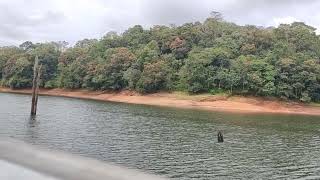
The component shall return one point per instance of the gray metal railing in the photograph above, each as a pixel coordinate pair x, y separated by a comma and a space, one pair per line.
63, 166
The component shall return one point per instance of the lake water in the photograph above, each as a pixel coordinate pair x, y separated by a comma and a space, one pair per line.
178, 144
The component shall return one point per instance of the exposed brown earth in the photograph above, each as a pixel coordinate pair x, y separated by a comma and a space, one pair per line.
207, 102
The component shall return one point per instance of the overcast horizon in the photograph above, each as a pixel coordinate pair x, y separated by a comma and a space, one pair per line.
65, 20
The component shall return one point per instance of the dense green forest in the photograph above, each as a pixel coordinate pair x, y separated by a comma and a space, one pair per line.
212, 56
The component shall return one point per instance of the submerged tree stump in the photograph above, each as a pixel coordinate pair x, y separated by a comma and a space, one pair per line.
35, 86
220, 137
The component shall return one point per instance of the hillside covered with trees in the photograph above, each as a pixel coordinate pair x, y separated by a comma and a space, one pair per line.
211, 56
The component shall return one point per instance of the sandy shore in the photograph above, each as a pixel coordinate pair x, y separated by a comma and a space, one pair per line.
212, 103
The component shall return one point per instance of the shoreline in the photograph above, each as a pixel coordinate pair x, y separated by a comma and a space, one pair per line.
210, 102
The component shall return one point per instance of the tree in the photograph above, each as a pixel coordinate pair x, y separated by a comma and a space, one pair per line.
261, 78
17, 72
136, 37
232, 80
48, 57
194, 74
85, 43
155, 76
28, 45
132, 76
216, 15
109, 71
149, 53
179, 48
7, 53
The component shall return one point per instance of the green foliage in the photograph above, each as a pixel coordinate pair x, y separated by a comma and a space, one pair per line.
155, 76
214, 56
216, 91
108, 72
17, 72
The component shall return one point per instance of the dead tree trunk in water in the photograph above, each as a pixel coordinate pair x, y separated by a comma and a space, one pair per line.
35, 86
220, 137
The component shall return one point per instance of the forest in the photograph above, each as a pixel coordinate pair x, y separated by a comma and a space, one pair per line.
213, 56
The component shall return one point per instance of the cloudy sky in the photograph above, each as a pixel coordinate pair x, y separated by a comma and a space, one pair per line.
72, 20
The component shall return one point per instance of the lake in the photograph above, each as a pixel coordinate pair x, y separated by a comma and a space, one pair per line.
175, 143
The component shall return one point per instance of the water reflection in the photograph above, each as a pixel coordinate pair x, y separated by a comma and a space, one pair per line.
31, 129
32, 121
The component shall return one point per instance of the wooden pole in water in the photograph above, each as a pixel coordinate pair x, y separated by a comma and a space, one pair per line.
35, 86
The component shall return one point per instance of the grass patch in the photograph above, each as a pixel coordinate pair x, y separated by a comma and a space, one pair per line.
197, 97
315, 104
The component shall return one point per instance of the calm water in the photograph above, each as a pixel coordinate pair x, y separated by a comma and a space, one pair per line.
179, 144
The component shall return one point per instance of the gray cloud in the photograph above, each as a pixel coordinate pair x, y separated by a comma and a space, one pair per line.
179, 11
17, 24
263, 12
70, 20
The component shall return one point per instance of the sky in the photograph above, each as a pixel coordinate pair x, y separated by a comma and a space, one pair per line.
73, 20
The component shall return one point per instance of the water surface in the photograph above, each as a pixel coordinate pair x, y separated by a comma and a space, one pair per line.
179, 144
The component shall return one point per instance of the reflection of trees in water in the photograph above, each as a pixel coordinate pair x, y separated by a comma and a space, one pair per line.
32, 131
32, 122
